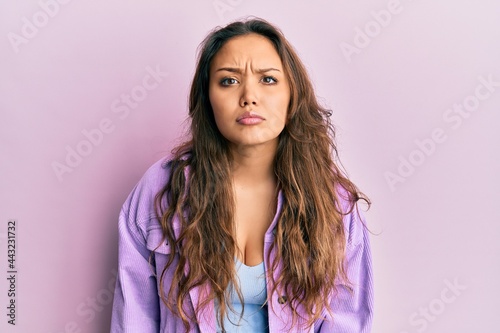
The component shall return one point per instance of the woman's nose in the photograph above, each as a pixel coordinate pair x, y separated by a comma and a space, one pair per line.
248, 95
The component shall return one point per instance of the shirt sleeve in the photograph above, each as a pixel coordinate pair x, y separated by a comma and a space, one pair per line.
136, 302
353, 309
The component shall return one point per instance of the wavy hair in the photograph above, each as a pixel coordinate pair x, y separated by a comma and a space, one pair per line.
309, 237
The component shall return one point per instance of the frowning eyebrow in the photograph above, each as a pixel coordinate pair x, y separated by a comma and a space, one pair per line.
239, 71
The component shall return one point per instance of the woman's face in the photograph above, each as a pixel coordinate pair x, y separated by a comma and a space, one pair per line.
249, 92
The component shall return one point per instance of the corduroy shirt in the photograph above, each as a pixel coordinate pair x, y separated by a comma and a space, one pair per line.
137, 307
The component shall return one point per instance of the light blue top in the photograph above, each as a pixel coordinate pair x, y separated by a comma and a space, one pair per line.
252, 281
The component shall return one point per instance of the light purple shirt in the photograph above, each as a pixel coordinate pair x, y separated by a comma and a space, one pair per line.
137, 307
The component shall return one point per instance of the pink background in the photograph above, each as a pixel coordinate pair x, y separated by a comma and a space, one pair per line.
436, 226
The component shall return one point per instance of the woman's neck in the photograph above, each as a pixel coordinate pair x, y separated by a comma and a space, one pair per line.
253, 165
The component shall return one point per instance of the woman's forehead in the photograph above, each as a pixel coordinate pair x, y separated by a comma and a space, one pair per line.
241, 51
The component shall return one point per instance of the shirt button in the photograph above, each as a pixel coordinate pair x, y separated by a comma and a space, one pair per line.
282, 299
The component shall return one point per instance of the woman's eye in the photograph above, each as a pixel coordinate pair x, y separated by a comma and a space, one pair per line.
228, 81
269, 80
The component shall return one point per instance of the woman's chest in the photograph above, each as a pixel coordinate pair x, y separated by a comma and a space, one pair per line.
254, 212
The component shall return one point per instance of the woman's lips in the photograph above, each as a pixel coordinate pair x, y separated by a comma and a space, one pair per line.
249, 118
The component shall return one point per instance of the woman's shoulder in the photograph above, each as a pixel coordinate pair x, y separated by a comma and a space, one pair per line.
353, 217
157, 175
140, 206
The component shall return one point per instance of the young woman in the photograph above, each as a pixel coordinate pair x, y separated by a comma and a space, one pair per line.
250, 225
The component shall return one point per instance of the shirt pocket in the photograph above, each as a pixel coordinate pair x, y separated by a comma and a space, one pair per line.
161, 252
156, 243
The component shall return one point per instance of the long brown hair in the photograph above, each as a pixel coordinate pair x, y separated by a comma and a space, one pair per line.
309, 236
